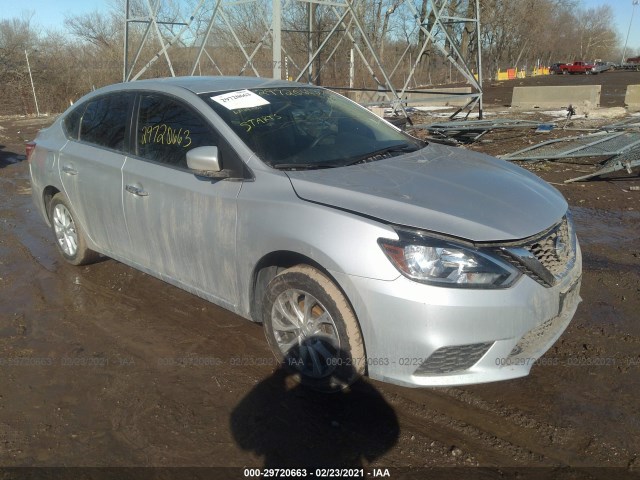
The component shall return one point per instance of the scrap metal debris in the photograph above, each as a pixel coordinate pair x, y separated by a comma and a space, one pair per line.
570, 113
621, 147
626, 161
629, 123
468, 131
593, 145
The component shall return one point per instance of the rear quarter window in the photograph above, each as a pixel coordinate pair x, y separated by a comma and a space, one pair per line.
104, 121
71, 123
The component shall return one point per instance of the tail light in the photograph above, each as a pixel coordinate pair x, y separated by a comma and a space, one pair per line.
29, 148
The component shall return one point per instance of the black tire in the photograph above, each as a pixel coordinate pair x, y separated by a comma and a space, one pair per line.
330, 355
565, 72
63, 217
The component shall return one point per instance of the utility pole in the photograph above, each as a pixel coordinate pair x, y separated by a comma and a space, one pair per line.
624, 51
33, 88
125, 70
276, 29
479, 40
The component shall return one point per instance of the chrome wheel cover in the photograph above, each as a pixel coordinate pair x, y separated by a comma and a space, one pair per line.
306, 333
65, 230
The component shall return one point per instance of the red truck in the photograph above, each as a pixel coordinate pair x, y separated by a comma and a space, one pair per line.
577, 67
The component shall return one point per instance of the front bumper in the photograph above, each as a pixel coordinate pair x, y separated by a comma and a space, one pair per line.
421, 335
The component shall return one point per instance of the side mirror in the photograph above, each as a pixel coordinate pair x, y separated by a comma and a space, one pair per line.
204, 160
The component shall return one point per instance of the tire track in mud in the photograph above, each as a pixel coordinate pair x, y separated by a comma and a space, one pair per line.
480, 434
496, 435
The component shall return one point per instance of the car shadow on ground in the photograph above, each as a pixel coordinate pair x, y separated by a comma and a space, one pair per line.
292, 426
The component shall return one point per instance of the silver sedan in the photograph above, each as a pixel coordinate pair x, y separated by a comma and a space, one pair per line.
361, 249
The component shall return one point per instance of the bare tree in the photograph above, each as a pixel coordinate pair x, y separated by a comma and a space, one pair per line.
597, 36
514, 32
17, 37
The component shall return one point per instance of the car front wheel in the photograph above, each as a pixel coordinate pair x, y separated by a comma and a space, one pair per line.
312, 329
70, 238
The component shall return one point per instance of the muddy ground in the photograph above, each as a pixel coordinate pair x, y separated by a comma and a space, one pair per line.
103, 366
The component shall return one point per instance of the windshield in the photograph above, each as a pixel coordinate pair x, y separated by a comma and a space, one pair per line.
307, 127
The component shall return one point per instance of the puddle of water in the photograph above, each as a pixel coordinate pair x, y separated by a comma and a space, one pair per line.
31, 230
37, 238
614, 228
41, 248
13, 160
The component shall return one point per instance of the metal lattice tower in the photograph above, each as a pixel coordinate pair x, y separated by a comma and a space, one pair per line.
185, 38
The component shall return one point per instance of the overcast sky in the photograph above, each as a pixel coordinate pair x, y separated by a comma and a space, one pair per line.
51, 13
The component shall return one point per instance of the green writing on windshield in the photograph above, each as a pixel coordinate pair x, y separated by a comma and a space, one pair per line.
263, 120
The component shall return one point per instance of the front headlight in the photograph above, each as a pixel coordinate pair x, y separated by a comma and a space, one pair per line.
446, 263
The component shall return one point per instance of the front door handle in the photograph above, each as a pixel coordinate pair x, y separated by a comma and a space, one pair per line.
69, 170
138, 191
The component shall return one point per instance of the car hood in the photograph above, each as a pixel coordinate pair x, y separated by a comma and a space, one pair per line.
441, 189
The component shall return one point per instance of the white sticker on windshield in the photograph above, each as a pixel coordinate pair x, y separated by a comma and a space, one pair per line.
240, 99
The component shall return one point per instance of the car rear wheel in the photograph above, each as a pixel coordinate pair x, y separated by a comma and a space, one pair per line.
312, 329
70, 238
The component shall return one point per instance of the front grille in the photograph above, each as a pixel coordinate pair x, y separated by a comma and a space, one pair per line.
546, 258
453, 359
554, 251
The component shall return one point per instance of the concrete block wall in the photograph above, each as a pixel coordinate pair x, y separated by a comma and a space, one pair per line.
632, 98
556, 97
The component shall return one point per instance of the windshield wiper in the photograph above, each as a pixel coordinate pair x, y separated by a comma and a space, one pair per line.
367, 157
305, 166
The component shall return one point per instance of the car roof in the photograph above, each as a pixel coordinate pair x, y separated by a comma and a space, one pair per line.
205, 84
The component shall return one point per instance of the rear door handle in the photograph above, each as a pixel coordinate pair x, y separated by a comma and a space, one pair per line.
136, 190
69, 170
